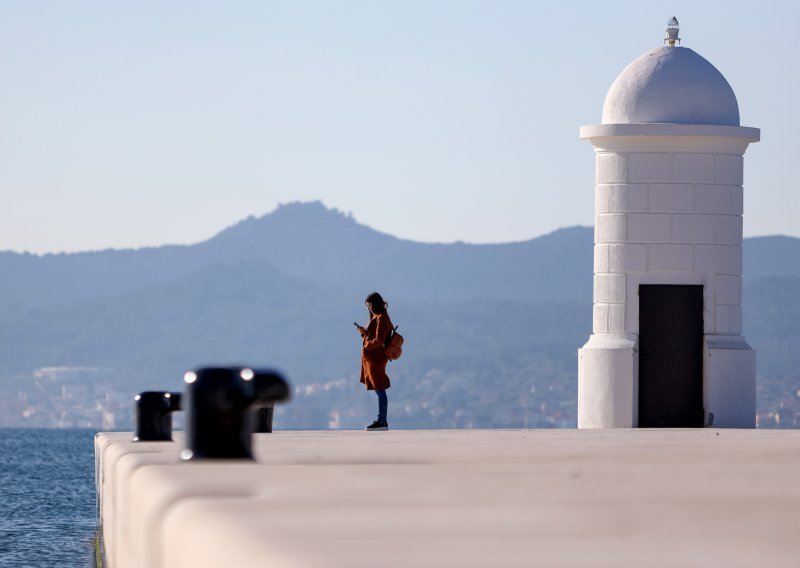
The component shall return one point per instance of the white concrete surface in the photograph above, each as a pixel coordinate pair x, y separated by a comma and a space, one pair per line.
460, 498
608, 381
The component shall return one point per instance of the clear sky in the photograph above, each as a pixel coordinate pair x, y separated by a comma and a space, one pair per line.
129, 124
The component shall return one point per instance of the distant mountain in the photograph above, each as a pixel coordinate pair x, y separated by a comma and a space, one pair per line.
771, 256
491, 330
311, 242
323, 246
245, 312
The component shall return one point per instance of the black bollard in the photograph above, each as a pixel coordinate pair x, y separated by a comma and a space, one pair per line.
221, 404
154, 415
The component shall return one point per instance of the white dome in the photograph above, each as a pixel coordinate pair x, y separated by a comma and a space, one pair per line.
671, 85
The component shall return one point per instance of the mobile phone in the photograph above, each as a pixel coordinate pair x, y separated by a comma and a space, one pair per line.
355, 324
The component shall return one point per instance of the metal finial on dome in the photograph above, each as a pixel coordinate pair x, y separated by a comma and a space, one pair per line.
672, 32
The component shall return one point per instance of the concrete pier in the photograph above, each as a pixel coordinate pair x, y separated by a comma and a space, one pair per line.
555, 498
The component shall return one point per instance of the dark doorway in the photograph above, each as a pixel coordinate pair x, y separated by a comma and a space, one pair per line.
670, 356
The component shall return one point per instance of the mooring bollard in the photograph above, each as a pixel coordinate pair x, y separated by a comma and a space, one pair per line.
154, 415
221, 405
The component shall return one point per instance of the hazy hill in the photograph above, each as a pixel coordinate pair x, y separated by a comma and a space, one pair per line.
771, 256
492, 330
326, 248
331, 249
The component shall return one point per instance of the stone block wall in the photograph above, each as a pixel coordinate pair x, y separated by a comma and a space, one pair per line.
667, 217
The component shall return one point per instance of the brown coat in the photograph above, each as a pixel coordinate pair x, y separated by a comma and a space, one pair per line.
373, 356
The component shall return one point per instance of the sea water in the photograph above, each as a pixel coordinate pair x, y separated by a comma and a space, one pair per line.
47, 498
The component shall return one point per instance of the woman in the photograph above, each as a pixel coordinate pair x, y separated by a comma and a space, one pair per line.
373, 356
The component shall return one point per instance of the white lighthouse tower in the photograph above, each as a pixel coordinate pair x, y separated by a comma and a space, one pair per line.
666, 348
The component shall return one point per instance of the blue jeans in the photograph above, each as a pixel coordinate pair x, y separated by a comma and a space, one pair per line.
383, 404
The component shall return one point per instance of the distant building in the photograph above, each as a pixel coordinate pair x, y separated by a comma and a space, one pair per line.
68, 397
68, 383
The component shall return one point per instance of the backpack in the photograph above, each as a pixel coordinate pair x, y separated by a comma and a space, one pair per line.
394, 344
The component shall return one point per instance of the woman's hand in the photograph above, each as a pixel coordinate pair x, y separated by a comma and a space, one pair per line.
361, 330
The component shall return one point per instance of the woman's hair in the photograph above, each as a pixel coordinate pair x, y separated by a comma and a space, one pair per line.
378, 304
